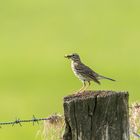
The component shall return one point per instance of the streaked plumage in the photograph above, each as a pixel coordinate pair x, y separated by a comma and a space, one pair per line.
83, 72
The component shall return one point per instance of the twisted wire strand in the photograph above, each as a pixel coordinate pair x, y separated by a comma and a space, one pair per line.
52, 118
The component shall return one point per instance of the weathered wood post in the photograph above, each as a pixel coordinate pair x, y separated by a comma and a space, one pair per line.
96, 115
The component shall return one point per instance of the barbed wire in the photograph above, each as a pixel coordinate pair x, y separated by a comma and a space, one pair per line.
135, 134
53, 119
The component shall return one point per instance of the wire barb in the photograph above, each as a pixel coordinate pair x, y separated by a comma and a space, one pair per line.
17, 121
35, 120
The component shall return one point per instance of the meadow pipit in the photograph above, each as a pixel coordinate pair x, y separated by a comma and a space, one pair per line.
83, 72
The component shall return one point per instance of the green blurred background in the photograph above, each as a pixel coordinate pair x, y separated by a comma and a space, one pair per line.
34, 37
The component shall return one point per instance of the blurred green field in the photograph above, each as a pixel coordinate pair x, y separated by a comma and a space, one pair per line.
35, 35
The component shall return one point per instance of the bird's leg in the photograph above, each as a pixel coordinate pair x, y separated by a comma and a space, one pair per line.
84, 85
87, 85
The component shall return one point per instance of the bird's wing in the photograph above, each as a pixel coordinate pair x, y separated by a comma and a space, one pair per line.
86, 71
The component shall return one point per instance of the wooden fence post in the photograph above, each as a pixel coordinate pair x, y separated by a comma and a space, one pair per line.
96, 115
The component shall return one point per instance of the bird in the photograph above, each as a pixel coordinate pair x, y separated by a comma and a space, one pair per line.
83, 72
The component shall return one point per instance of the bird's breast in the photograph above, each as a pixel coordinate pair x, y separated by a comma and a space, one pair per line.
77, 72
73, 66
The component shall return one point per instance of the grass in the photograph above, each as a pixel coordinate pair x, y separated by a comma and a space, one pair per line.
52, 129
35, 36
135, 121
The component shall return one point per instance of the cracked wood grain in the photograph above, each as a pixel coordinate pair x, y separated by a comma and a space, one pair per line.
96, 115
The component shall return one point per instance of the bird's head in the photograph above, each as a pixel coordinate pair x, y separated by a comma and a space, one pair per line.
74, 57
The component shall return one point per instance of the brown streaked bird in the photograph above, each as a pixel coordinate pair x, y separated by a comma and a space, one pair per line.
83, 72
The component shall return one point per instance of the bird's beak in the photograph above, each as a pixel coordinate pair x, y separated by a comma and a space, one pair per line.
67, 56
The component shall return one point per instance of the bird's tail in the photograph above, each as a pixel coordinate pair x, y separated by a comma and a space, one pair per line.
103, 77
